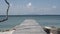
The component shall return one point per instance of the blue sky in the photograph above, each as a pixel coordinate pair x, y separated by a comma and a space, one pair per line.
31, 7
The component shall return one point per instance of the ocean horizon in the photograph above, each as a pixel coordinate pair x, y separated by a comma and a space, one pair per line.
43, 20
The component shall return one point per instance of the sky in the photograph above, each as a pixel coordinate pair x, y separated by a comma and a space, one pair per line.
31, 7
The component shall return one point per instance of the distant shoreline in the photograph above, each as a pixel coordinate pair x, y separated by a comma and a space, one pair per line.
27, 15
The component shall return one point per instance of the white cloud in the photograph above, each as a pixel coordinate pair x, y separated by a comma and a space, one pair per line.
53, 6
42, 9
30, 9
10, 4
29, 5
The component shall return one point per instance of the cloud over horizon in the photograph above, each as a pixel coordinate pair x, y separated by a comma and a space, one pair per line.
31, 8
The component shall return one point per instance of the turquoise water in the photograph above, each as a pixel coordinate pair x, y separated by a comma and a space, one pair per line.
47, 20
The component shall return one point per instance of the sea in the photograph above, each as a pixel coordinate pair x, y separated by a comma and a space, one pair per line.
43, 20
